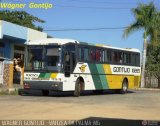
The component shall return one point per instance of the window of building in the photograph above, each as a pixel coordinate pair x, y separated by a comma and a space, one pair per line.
2, 49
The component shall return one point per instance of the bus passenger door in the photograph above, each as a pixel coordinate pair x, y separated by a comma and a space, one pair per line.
69, 63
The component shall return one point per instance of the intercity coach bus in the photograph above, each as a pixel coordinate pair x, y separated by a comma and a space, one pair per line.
68, 65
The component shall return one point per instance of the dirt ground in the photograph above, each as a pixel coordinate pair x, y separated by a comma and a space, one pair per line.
135, 105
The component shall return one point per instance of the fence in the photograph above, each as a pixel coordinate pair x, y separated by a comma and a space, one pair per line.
150, 80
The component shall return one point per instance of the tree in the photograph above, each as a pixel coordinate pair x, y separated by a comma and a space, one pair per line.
146, 18
21, 18
153, 62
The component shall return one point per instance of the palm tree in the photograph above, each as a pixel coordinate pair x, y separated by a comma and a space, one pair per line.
146, 18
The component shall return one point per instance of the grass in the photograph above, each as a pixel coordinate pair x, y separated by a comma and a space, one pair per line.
8, 93
4, 93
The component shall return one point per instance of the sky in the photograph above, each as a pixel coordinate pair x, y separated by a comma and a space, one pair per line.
90, 14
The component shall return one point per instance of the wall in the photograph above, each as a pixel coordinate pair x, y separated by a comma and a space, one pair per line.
34, 35
8, 74
1, 72
18, 33
13, 30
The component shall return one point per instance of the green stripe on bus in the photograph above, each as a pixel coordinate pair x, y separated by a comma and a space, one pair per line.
44, 75
102, 77
95, 76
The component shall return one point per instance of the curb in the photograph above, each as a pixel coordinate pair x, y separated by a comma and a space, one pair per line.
148, 89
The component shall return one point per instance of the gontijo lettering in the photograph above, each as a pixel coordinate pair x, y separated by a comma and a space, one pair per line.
121, 69
126, 70
39, 6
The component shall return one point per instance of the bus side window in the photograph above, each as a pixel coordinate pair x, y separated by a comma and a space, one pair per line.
92, 54
103, 56
133, 59
83, 54
106, 55
115, 58
86, 54
80, 54
138, 59
126, 58
98, 55
112, 56
119, 57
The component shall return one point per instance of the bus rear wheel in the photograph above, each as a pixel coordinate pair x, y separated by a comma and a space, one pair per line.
124, 87
78, 88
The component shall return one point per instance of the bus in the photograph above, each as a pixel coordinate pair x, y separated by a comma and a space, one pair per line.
55, 64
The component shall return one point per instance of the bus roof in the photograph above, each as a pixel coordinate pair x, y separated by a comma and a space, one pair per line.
59, 41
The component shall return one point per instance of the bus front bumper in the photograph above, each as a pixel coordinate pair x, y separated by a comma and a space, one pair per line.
43, 85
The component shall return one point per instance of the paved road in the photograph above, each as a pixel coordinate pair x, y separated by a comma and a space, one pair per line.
137, 105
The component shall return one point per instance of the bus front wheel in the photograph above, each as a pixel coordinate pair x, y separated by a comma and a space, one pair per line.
78, 88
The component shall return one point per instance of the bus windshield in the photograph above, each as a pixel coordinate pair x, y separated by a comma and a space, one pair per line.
43, 58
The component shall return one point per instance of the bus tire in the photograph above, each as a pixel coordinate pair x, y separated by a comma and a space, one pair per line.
77, 90
124, 87
20, 92
45, 92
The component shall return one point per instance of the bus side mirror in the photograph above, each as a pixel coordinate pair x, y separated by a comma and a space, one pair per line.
67, 57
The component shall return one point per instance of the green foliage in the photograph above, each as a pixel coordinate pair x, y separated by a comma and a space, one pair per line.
147, 17
21, 18
2, 93
153, 60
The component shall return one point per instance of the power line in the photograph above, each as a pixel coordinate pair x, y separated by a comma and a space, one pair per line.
102, 2
88, 7
86, 29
